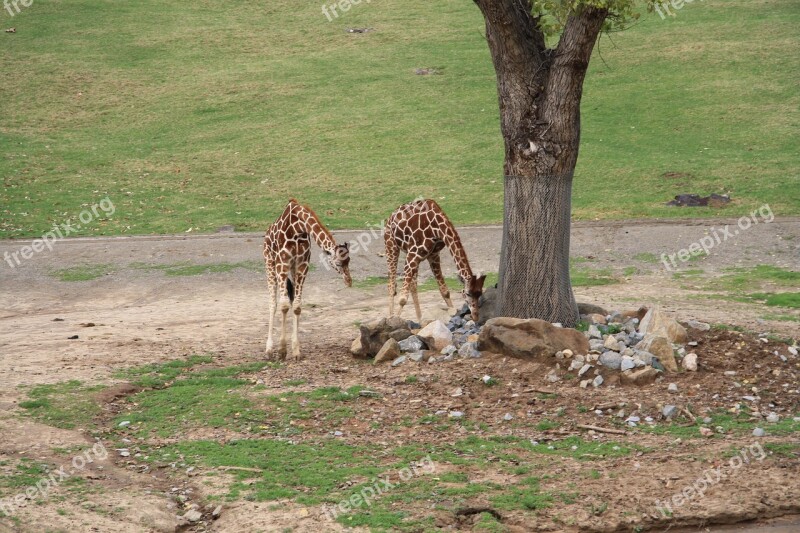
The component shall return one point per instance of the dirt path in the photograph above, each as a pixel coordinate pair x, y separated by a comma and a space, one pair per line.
140, 316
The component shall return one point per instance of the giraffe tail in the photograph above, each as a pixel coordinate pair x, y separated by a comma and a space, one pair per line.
290, 289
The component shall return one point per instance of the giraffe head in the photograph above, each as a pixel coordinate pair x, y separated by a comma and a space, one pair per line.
473, 289
339, 259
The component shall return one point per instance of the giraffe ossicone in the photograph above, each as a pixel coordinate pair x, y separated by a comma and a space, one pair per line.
422, 230
287, 254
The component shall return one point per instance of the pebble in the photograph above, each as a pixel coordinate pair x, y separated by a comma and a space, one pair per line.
792, 350
411, 344
749, 398
669, 411
611, 360
337, 433
627, 363
217, 511
759, 432
508, 416
458, 392
585, 383
399, 361
773, 418
597, 381
193, 516
575, 364
416, 357
449, 350
691, 343
594, 332
124, 423
611, 343
124, 453
553, 377
730, 372
598, 412
707, 420
632, 420
486, 379
455, 414
672, 387
690, 362
584, 369
706, 432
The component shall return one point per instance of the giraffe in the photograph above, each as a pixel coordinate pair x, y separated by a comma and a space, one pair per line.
422, 230
287, 251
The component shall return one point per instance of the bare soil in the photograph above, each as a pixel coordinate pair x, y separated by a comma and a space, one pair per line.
143, 316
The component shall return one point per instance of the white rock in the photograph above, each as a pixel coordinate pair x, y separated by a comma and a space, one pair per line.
792, 350
759, 432
597, 381
436, 335
627, 363
611, 343
508, 416
585, 383
773, 418
584, 369
690, 362
672, 387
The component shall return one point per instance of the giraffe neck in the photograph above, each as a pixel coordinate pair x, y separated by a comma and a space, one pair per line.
316, 229
453, 242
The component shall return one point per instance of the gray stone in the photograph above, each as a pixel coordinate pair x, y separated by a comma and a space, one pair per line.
759, 432
553, 376
585, 383
416, 356
596, 345
626, 363
374, 334
449, 350
455, 414
399, 361
412, 344
575, 365
508, 416
657, 322
644, 356
672, 387
669, 411
700, 326
594, 332
792, 350
611, 343
469, 349
611, 360
661, 347
773, 418
597, 381
193, 516
584, 369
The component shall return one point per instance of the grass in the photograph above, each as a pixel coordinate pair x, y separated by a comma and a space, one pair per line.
188, 269
82, 272
64, 405
157, 375
740, 424
204, 119
738, 284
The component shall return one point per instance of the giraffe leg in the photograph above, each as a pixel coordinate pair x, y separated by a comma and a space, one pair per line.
284, 303
436, 267
392, 255
272, 287
299, 278
410, 281
415, 296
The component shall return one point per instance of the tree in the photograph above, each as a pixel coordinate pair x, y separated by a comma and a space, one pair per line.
539, 89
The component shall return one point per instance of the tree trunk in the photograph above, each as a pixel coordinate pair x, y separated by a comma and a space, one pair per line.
539, 91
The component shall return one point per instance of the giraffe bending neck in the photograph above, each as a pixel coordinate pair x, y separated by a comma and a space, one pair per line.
316, 229
453, 242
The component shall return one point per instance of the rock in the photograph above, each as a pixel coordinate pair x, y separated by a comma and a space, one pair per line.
672, 387
193, 516
759, 432
585, 383
655, 363
700, 326
356, 348
669, 411
584, 369
508, 416
436, 335
706, 432
455, 414
469, 349
655, 321
611, 343
594, 332
399, 361
388, 352
792, 350
591, 309
125, 423
553, 376
458, 392
597, 318
596, 345
597, 381
576, 364
529, 338
632, 420
366, 393
416, 356
486, 379
640, 376
611, 360
487, 305
773, 418
216, 512
627, 363
374, 334
660, 347
449, 350
690, 362
412, 344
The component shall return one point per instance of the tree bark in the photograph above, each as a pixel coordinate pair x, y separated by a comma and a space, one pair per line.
539, 91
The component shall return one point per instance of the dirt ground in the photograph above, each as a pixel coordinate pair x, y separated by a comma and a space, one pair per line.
142, 316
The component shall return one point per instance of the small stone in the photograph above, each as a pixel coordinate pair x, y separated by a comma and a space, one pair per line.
455, 414
691, 343
594, 332
508, 416
669, 411
456, 393
672, 387
730, 372
567, 353
469, 349
585, 383
337, 433
449, 350
690, 362
632, 421
749, 398
584, 369
553, 376
486, 379
706, 432
759, 432
575, 365
557, 324
125, 423
627, 363
416, 356
193, 516
611, 360
596, 345
124, 453
411, 344
597, 381
773, 418
388, 352
611, 343
399, 361
700, 326
217, 511
792, 350
368, 393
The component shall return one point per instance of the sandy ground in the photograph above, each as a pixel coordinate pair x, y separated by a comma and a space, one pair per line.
143, 316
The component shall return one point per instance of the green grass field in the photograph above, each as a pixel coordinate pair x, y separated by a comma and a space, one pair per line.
201, 114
